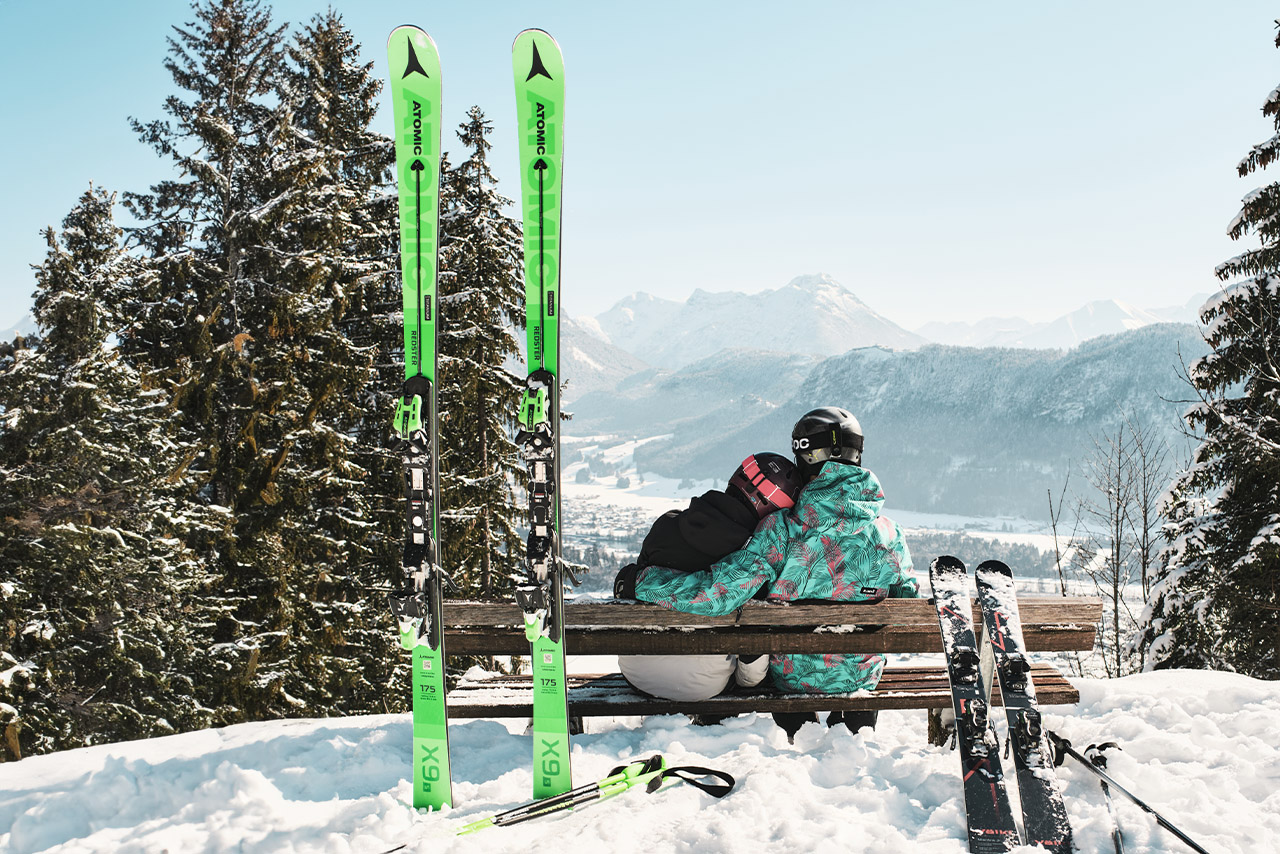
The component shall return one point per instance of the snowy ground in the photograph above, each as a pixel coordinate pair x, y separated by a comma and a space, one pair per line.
1200, 747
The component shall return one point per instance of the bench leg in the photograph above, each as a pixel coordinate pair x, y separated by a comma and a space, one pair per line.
577, 725
939, 732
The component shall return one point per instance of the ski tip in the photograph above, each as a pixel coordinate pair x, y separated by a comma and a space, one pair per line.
531, 32
413, 31
945, 563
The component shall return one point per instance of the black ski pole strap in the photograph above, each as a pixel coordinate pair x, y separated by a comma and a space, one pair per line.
693, 774
653, 763
1059, 745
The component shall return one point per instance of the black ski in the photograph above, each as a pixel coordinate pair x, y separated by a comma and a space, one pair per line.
1044, 816
986, 801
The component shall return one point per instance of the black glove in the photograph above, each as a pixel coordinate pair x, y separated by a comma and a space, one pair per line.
624, 586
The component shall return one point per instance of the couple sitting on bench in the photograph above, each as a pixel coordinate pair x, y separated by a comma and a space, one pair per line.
783, 533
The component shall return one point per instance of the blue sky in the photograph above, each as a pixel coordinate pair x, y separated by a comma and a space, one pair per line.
943, 160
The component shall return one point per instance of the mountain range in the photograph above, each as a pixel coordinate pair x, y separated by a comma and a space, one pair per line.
1101, 317
813, 315
972, 430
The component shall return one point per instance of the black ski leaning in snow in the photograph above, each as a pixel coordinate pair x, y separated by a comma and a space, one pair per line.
1044, 816
986, 801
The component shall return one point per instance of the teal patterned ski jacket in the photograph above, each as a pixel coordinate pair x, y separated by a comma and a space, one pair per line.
832, 545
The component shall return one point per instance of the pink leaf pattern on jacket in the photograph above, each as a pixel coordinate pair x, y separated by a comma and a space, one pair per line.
803, 554
834, 556
783, 590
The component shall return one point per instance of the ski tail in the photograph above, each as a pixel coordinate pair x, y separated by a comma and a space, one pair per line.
416, 93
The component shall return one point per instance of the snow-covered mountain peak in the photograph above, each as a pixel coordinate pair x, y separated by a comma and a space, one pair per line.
1119, 310
812, 314
815, 282
26, 326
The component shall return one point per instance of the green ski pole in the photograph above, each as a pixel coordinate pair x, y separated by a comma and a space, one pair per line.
649, 773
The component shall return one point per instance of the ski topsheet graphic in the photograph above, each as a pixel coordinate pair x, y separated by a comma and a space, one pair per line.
539, 79
415, 94
986, 801
1044, 816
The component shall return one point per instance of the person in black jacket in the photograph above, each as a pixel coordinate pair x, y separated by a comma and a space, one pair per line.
691, 540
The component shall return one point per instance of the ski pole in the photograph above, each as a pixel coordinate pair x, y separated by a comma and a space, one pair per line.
648, 772
1063, 747
1096, 755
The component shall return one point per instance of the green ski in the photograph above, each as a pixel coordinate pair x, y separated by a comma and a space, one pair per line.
415, 93
539, 79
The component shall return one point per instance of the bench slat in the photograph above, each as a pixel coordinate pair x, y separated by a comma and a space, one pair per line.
508, 641
611, 627
1036, 611
501, 696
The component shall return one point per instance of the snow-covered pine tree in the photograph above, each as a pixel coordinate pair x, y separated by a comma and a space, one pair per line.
1216, 594
481, 302
332, 242
97, 591
229, 335
336, 99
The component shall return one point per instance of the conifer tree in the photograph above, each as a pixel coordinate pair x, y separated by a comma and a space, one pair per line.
96, 609
215, 335
482, 301
331, 245
336, 101
1216, 594
268, 242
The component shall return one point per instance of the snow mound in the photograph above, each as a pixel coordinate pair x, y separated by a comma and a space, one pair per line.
1199, 747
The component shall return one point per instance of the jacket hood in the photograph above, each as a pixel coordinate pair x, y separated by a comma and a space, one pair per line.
839, 493
717, 523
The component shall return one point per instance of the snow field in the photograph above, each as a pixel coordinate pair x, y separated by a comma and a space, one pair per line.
1199, 747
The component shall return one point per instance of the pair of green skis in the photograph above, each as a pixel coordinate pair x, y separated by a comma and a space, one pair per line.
415, 90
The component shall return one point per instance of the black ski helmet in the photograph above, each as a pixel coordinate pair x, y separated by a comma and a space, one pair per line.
767, 482
826, 433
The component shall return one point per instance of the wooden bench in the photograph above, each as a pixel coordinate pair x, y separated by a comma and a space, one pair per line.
611, 627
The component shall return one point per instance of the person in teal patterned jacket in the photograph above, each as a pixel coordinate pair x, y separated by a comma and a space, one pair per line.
833, 545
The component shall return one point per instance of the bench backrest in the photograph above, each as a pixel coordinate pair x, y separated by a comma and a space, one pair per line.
610, 627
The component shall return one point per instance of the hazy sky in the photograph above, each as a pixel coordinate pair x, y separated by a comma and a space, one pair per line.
943, 160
